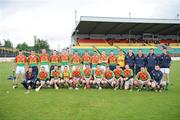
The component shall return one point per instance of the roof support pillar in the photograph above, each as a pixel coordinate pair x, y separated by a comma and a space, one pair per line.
129, 36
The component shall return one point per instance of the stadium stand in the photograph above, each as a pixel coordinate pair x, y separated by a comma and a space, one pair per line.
7, 52
82, 49
87, 42
106, 33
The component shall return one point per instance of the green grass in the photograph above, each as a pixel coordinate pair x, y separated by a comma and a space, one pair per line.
64, 104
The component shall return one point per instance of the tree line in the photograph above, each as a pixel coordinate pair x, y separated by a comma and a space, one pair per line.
38, 45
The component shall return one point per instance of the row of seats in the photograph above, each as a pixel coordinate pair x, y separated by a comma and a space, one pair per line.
145, 49
86, 42
102, 42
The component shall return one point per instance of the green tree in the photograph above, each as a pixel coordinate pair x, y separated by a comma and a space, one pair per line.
41, 44
8, 43
23, 46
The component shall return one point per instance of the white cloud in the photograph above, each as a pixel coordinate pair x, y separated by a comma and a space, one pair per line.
54, 20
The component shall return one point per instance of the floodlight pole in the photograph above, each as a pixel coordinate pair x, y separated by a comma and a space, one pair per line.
75, 18
177, 37
129, 14
129, 36
177, 16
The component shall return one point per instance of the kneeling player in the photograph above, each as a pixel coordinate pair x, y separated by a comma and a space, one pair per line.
87, 75
157, 82
127, 81
98, 76
76, 77
55, 77
65, 77
30, 80
117, 76
142, 78
42, 78
109, 77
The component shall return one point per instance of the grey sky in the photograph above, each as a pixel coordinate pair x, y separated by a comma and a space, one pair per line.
20, 20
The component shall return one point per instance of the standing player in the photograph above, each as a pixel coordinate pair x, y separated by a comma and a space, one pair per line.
121, 59
44, 60
54, 60
33, 62
109, 77
76, 77
76, 60
127, 80
87, 76
42, 78
103, 60
118, 72
151, 61
20, 61
64, 58
140, 61
55, 77
86, 59
130, 59
112, 61
94, 61
98, 76
142, 78
157, 82
165, 62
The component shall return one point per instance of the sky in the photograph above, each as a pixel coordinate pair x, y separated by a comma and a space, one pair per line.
54, 20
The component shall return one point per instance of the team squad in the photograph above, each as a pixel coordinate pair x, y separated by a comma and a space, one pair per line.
124, 71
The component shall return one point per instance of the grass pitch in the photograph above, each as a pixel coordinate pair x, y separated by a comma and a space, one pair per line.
64, 104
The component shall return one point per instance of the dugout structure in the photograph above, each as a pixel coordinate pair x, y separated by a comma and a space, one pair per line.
110, 33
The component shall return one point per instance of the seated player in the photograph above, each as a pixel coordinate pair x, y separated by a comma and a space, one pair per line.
76, 77
55, 77
118, 72
42, 78
157, 83
87, 76
127, 80
98, 76
142, 78
30, 80
109, 77
65, 77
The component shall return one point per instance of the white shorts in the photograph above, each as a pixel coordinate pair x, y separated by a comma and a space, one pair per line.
128, 82
62, 67
46, 67
163, 83
93, 68
73, 67
87, 79
165, 70
103, 67
20, 69
143, 82
110, 81
84, 66
98, 80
